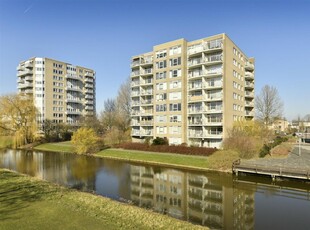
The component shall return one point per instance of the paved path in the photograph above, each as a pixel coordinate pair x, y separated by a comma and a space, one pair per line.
292, 161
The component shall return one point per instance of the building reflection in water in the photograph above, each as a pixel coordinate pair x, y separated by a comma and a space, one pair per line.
208, 199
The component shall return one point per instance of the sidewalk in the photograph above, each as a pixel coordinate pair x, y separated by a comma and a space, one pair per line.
292, 161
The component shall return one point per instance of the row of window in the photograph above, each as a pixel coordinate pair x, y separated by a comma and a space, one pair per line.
237, 75
238, 53
172, 107
172, 51
172, 129
237, 96
237, 107
56, 65
172, 85
173, 62
56, 71
172, 96
172, 118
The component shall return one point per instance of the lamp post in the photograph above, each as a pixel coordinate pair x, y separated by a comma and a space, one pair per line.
299, 152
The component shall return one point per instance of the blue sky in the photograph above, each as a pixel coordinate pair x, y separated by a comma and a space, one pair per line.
103, 35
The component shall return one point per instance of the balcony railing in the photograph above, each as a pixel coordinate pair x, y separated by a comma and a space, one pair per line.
214, 72
89, 86
135, 93
135, 73
194, 62
77, 89
89, 80
249, 103
249, 75
196, 134
135, 63
89, 107
195, 50
249, 113
74, 100
89, 96
197, 110
88, 74
213, 45
25, 85
214, 59
195, 122
147, 102
147, 92
24, 72
249, 84
135, 83
249, 66
147, 71
213, 98
249, 94
146, 123
28, 65
146, 82
135, 133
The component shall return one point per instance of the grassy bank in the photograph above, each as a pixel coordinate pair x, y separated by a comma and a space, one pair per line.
28, 203
220, 160
65, 146
6, 141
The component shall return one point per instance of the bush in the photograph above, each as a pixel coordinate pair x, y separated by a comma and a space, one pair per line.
179, 149
160, 141
265, 150
85, 140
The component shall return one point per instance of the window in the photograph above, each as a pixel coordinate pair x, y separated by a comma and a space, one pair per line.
175, 130
161, 118
175, 61
161, 108
175, 73
161, 96
161, 129
161, 75
175, 118
161, 54
175, 50
161, 64
175, 107
161, 86
175, 84
175, 96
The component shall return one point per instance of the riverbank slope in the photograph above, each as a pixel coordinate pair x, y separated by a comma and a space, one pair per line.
29, 203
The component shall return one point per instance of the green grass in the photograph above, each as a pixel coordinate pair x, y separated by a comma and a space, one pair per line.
6, 141
65, 146
151, 157
220, 160
28, 203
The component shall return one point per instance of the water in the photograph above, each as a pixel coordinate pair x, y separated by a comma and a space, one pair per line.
216, 200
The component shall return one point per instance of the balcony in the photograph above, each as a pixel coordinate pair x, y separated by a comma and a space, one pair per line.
195, 123
249, 94
195, 87
28, 65
146, 133
249, 76
249, 113
135, 64
249, 104
88, 80
89, 107
195, 98
135, 83
89, 74
89, 102
213, 98
89, 97
147, 61
146, 123
214, 59
147, 72
135, 73
73, 112
196, 50
147, 92
212, 73
214, 134
249, 66
135, 133
73, 76
211, 46
147, 82
73, 100
214, 85
135, 123
20, 68
89, 91
20, 80
71, 88
249, 85
195, 74
194, 62
24, 72
195, 111
25, 85
29, 78
135, 103
135, 93
135, 112
91, 86
214, 123
214, 110
147, 102
198, 134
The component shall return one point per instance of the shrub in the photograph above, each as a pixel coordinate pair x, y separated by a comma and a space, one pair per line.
85, 140
267, 147
179, 149
160, 141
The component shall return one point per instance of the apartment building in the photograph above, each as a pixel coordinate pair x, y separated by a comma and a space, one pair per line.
62, 92
191, 92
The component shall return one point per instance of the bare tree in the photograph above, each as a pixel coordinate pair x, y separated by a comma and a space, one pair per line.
268, 105
123, 106
108, 115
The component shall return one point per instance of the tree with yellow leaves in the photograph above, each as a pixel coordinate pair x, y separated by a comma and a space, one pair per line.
17, 118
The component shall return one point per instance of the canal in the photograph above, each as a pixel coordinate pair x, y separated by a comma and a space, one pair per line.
216, 200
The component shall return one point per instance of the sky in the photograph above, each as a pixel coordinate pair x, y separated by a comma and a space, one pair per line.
105, 34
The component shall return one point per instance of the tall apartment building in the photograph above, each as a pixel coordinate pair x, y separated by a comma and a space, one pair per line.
61, 91
191, 92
